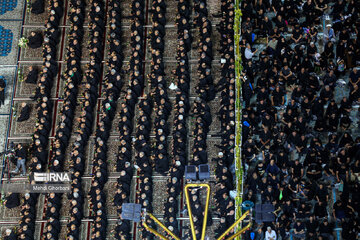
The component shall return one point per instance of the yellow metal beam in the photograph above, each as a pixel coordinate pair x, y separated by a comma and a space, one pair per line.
153, 231
207, 186
234, 225
163, 226
189, 185
239, 232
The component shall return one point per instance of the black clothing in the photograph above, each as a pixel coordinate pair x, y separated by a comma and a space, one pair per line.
38, 7
24, 114
13, 200
35, 41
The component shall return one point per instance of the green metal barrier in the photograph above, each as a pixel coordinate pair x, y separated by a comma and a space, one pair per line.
238, 113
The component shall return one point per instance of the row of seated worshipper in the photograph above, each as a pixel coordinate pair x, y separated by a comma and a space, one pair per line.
142, 159
159, 101
111, 94
93, 75
201, 111
72, 77
82, 133
181, 110
44, 113
161, 104
300, 135
125, 126
225, 205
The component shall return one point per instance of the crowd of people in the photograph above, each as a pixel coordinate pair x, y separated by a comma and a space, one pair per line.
301, 148
72, 76
44, 112
224, 172
181, 109
134, 90
156, 156
300, 138
205, 90
96, 195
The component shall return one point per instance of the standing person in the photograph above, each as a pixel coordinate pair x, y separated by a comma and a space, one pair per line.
2, 90
20, 154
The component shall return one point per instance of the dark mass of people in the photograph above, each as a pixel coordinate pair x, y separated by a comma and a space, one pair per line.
201, 110
224, 172
93, 75
300, 92
44, 111
181, 109
300, 87
125, 126
72, 76
161, 103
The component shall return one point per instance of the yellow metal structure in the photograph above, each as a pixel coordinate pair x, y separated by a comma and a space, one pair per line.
153, 231
193, 185
189, 185
234, 225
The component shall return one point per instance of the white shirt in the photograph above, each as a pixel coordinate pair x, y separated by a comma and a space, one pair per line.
248, 54
270, 236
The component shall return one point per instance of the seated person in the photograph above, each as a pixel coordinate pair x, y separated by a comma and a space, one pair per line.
12, 200
296, 36
32, 75
303, 210
25, 112
10, 235
35, 40
326, 230
38, 7
299, 230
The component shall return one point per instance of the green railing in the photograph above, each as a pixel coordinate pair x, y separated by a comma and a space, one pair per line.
238, 109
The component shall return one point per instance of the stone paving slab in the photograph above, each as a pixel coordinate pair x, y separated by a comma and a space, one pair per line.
4, 121
170, 43
160, 195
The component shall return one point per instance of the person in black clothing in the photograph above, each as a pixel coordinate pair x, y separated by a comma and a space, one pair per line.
32, 76
38, 7
10, 235
35, 40
24, 113
2, 90
20, 154
12, 200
